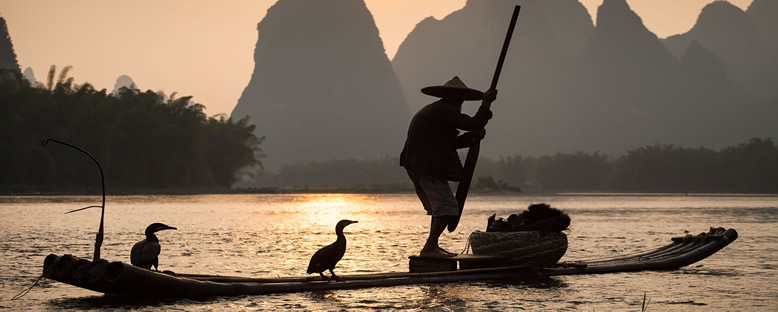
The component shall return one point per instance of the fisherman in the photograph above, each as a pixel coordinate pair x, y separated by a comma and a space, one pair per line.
430, 157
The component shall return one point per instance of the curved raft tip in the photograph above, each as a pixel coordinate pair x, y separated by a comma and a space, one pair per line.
80, 269
730, 235
113, 271
96, 271
48, 265
63, 267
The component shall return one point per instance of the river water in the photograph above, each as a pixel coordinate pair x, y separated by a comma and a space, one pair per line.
270, 235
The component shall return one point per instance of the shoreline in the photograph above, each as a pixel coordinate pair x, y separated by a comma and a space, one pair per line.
352, 190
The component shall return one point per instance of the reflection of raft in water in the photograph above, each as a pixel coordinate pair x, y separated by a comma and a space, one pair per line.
124, 279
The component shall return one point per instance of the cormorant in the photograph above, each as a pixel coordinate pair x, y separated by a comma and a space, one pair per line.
144, 253
327, 257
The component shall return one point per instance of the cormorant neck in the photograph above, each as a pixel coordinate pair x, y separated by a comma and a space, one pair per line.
339, 231
151, 237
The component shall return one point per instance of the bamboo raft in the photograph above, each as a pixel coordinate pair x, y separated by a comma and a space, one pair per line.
118, 278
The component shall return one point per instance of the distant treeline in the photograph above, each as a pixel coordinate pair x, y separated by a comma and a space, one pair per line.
143, 140
750, 167
148, 142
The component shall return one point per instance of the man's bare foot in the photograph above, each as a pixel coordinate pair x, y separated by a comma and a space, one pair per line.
451, 254
434, 252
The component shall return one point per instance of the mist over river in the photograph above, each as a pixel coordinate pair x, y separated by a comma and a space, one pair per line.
272, 235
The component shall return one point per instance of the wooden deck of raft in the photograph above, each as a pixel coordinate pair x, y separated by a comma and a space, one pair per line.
420, 264
123, 279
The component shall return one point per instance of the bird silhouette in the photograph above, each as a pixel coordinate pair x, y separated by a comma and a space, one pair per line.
145, 253
327, 257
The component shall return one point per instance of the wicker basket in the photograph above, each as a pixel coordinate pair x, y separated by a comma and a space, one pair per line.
539, 249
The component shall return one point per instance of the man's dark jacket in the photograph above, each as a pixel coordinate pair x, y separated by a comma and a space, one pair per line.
433, 138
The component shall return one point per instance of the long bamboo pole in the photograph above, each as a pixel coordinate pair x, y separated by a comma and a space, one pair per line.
472, 154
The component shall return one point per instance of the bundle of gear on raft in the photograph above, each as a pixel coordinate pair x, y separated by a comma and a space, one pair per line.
537, 217
533, 237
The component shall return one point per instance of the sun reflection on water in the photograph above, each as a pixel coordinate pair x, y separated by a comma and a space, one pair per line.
327, 209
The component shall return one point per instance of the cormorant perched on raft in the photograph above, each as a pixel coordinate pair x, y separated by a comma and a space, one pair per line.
327, 257
144, 253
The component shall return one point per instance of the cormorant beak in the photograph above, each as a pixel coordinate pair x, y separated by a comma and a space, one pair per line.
163, 227
352, 222
156, 227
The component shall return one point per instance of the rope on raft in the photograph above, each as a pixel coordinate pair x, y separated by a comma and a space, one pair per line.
467, 246
27, 290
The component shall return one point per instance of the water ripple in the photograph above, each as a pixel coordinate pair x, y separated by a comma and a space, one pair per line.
275, 235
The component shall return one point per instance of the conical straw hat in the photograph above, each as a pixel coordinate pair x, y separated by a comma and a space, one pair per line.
454, 88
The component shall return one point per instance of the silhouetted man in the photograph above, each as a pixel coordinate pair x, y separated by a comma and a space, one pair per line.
430, 155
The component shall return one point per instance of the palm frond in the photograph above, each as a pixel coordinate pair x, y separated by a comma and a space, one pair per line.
50, 79
63, 74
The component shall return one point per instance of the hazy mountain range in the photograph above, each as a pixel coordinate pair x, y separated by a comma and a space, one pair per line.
7, 54
322, 86
323, 89
123, 81
617, 86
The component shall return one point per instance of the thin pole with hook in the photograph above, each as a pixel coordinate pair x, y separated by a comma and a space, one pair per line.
99, 238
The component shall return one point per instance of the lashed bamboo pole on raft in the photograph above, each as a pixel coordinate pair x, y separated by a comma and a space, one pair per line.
353, 277
99, 237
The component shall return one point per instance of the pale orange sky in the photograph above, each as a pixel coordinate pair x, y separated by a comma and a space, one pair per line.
205, 48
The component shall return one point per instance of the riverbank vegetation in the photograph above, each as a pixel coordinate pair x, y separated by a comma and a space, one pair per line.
144, 140
750, 167
151, 143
